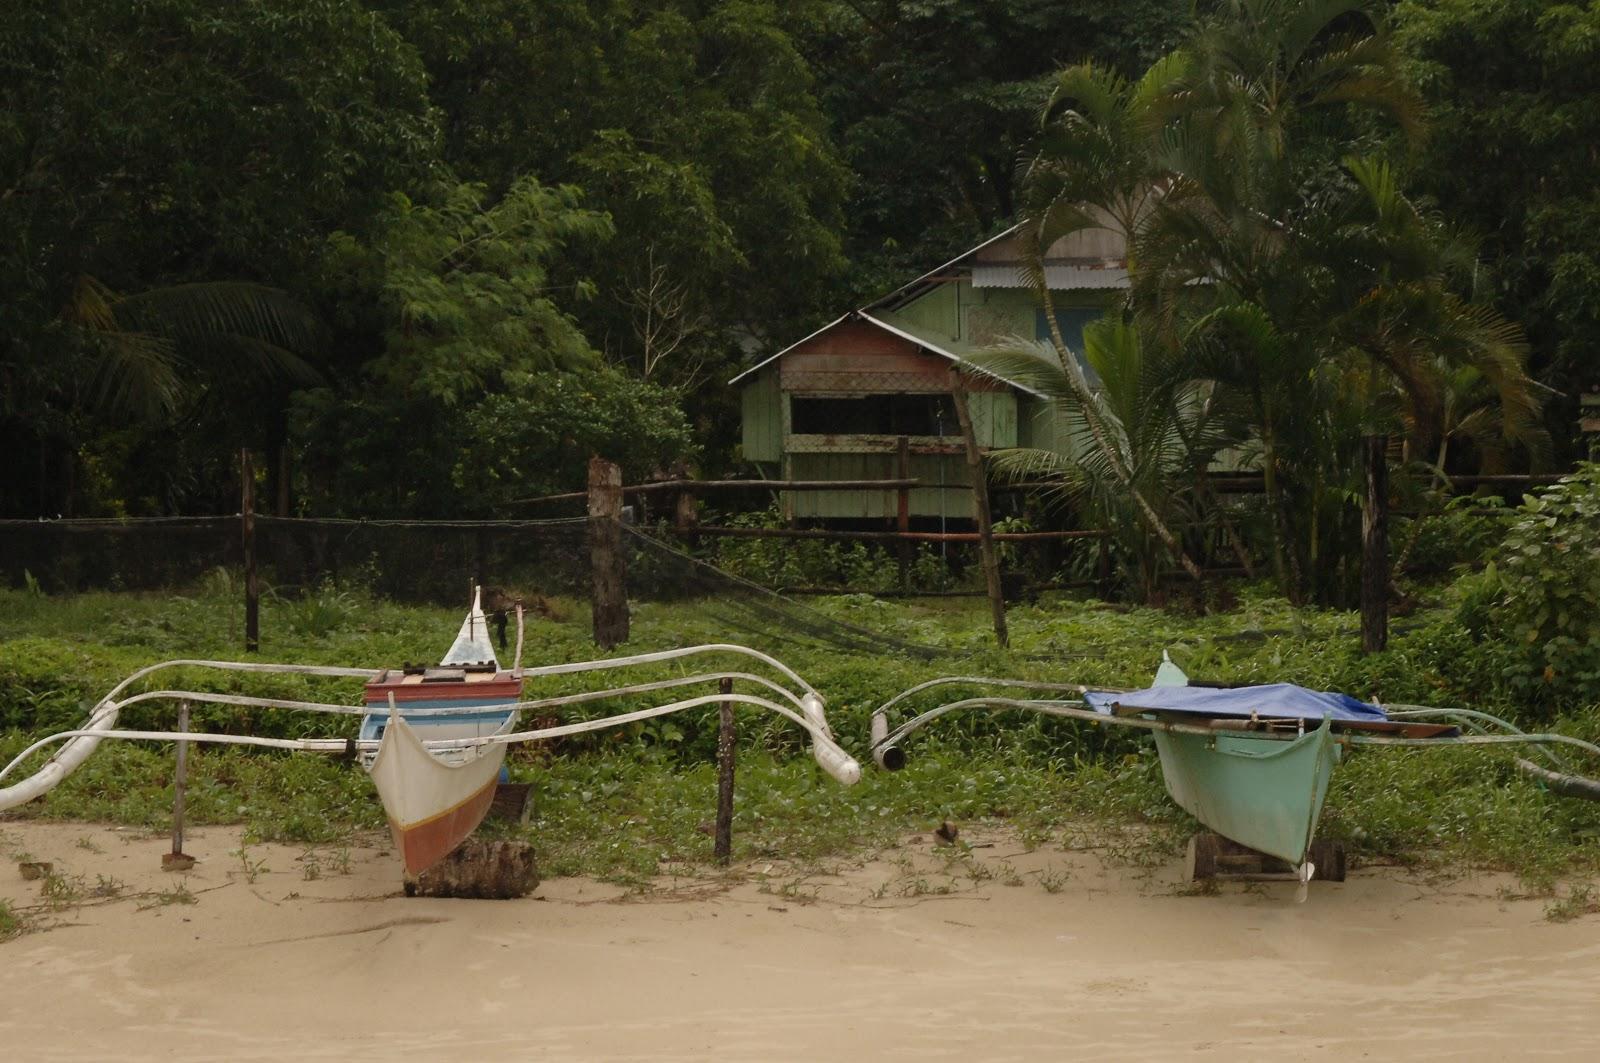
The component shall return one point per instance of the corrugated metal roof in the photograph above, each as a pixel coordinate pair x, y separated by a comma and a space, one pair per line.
1060, 278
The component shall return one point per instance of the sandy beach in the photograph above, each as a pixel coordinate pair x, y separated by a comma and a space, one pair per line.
1005, 954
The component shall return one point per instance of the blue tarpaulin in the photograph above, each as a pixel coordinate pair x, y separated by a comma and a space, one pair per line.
1281, 700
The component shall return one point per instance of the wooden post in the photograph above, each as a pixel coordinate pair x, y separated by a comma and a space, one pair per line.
283, 480
980, 501
903, 509
786, 498
605, 554
725, 738
247, 526
1375, 547
178, 860
686, 516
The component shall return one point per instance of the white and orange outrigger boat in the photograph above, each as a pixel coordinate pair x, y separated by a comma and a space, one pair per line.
434, 739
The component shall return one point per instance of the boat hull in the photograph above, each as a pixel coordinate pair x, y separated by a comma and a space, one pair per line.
1264, 793
432, 805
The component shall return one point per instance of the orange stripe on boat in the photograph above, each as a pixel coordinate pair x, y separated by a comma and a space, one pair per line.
426, 842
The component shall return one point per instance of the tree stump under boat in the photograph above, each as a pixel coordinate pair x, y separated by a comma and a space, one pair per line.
488, 870
1213, 856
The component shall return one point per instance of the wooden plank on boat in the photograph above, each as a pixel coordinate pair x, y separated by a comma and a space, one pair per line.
1269, 725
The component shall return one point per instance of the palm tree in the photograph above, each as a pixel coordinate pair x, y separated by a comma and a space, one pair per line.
145, 355
1322, 302
145, 361
1092, 169
1136, 441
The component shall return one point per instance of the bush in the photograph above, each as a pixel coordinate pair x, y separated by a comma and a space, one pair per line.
1545, 591
1465, 533
785, 563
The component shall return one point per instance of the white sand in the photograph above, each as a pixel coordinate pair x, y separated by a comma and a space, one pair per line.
1115, 964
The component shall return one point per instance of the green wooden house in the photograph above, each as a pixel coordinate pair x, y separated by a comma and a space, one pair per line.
834, 405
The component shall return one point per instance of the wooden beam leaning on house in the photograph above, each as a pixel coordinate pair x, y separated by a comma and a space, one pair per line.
980, 502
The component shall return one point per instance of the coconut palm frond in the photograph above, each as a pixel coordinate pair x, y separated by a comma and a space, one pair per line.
1028, 364
134, 375
90, 305
192, 313
267, 362
1033, 465
154, 348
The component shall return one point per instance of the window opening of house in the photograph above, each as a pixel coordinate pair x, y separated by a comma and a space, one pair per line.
873, 415
1071, 320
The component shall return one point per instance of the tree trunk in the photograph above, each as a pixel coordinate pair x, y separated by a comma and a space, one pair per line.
606, 562
980, 501
723, 847
1375, 547
247, 529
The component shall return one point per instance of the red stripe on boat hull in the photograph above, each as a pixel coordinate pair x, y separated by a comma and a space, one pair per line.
424, 844
377, 694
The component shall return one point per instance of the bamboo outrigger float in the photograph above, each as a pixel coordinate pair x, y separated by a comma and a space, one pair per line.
1251, 763
434, 740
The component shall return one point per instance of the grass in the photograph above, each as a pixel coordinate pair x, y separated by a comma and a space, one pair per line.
623, 804
11, 924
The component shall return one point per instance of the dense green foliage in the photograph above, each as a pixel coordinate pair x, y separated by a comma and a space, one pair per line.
410, 205
1541, 597
1511, 87
933, 103
1294, 297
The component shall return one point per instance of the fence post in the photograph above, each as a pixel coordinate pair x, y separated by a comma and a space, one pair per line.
178, 860
283, 480
980, 502
903, 508
247, 528
686, 516
1375, 546
725, 745
605, 554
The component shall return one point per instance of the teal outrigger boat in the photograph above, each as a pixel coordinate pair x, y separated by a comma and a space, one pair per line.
1252, 763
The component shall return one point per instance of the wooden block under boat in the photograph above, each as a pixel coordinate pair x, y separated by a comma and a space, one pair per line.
1213, 856
512, 802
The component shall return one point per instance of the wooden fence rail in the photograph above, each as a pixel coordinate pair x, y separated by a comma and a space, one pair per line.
696, 486
1228, 484
729, 532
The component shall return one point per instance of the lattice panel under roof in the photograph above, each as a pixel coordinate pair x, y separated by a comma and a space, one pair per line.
867, 382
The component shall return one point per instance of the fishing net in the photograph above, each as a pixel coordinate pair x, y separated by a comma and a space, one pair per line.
435, 562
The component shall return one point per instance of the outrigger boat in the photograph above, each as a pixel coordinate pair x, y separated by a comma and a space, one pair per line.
434, 739
1252, 763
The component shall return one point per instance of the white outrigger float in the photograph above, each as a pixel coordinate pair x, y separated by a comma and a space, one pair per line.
434, 739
